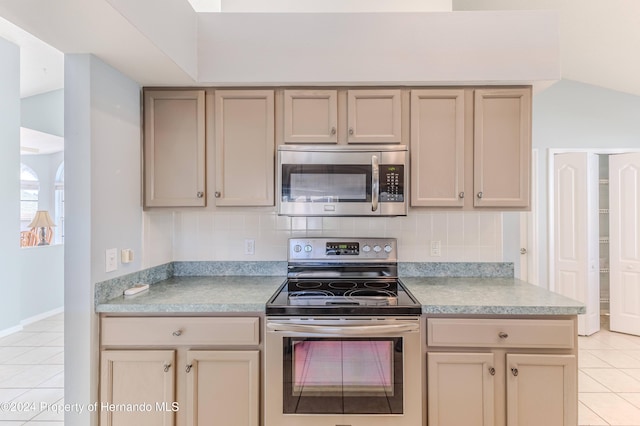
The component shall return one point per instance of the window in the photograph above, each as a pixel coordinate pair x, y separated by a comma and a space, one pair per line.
59, 205
29, 189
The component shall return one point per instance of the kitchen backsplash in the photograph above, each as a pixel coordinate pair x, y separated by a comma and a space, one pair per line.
220, 236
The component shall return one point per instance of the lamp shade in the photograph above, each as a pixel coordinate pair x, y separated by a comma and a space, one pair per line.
41, 220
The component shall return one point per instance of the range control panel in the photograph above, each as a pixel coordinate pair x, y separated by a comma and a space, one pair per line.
343, 249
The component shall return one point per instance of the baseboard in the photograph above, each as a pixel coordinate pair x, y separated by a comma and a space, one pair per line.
11, 330
41, 316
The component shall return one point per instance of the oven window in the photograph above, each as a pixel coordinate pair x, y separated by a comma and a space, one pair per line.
326, 183
342, 375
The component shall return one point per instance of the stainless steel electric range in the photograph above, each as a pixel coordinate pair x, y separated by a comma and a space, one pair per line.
343, 338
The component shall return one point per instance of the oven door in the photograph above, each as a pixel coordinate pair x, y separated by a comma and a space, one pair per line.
348, 371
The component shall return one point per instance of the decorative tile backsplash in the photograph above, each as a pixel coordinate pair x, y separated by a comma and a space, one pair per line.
220, 236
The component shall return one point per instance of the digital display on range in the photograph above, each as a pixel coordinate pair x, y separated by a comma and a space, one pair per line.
338, 249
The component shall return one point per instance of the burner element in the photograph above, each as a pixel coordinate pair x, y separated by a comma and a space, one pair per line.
343, 285
309, 284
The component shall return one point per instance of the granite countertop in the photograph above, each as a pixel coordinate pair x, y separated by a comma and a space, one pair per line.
438, 295
213, 294
488, 296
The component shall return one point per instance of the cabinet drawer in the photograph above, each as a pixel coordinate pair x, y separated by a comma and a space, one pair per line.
500, 333
175, 331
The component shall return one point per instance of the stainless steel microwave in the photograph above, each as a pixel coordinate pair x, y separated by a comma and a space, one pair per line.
342, 180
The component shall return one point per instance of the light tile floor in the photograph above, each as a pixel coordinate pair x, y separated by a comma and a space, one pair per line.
32, 371
609, 379
32, 374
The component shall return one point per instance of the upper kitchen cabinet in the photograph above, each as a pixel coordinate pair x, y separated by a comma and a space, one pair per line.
245, 147
437, 147
310, 116
374, 116
471, 148
502, 148
174, 148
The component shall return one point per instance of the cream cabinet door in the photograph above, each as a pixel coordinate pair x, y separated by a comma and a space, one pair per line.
542, 390
502, 147
374, 116
223, 388
310, 116
245, 147
174, 148
460, 389
437, 148
144, 378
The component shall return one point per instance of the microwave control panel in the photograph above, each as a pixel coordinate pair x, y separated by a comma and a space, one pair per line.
391, 183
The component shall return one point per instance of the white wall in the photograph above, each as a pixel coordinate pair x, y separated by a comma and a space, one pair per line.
9, 184
377, 48
103, 210
44, 112
575, 115
41, 281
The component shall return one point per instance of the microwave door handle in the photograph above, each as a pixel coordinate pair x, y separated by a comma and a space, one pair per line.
375, 183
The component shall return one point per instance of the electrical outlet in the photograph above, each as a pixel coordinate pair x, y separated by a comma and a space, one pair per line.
436, 248
111, 260
250, 247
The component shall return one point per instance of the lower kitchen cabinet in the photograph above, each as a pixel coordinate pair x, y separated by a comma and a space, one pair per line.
513, 372
143, 378
223, 388
457, 380
541, 390
180, 371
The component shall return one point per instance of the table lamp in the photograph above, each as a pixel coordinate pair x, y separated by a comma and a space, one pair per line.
42, 220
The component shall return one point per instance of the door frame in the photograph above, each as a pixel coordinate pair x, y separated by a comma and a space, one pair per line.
529, 240
551, 196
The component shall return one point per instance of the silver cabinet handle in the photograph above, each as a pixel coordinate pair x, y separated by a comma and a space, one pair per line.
514, 371
177, 333
167, 366
503, 335
351, 131
461, 195
375, 183
200, 194
217, 194
333, 131
479, 194
188, 367
523, 251
492, 371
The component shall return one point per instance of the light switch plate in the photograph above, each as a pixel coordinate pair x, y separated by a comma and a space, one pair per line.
111, 260
436, 249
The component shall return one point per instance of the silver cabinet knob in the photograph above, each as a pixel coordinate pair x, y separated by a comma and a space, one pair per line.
479, 194
333, 131
188, 367
177, 333
167, 366
461, 195
492, 371
514, 371
200, 194
523, 251
218, 194
351, 131
503, 335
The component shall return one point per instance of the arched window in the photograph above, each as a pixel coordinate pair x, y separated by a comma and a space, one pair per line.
59, 206
29, 188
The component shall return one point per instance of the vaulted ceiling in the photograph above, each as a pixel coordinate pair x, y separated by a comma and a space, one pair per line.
598, 39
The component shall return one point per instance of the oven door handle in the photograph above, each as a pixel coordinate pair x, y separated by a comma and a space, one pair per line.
364, 330
375, 183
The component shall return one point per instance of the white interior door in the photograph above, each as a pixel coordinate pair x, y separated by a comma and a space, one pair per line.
624, 217
576, 257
